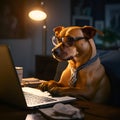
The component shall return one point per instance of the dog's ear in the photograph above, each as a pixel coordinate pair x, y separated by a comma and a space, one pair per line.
89, 31
57, 30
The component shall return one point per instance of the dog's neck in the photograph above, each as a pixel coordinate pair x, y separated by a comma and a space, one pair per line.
74, 72
87, 63
80, 60
76, 65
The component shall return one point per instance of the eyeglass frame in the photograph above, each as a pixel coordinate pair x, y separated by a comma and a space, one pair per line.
67, 43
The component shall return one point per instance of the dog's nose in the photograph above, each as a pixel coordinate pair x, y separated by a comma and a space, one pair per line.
55, 51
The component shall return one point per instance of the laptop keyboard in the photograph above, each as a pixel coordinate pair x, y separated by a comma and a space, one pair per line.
34, 99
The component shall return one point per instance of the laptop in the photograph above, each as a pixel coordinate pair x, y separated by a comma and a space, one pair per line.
11, 91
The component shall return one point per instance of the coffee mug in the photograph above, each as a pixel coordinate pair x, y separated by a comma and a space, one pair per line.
19, 72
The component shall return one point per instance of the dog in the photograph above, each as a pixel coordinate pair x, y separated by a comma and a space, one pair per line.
84, 76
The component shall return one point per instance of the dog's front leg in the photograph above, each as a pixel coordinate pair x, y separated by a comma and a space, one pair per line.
71, 91
43, 85
61, 91
47, 85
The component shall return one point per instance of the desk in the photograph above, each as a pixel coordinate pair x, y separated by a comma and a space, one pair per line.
92, 111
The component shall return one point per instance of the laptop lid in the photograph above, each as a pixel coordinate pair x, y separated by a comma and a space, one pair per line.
10, 88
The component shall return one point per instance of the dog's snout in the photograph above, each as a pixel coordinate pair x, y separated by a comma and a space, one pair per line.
55, 51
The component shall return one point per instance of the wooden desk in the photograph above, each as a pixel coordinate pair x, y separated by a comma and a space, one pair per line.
95, 111
92, 111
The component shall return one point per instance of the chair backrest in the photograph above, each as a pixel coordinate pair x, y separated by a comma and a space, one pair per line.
45, 67
60, 67
111, 62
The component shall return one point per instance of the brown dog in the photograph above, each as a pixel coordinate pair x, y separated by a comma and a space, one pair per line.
84, 77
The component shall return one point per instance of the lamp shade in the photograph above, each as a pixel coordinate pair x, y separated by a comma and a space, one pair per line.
37, 15
36, 11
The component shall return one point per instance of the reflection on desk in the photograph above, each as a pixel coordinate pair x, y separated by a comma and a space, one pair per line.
34, 116
92, 111
8, 112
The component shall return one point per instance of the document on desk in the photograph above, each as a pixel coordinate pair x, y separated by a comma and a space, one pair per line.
30, 82
31, 79
62, 111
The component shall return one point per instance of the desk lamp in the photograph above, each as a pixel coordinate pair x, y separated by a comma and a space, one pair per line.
37, 14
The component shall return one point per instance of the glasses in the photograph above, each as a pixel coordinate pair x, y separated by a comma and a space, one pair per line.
67, 40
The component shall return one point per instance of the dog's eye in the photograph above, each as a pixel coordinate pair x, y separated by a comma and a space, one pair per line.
56, 40
68, 41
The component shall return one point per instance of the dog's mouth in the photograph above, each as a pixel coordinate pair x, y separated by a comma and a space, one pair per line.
62, 55
60, 59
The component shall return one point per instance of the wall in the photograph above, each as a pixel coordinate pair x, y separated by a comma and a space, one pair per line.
24, 50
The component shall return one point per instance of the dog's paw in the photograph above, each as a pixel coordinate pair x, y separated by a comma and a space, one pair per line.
53, 84
47, 85
55, 91
43, 85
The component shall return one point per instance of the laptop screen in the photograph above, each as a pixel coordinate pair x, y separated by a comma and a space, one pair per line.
10, 89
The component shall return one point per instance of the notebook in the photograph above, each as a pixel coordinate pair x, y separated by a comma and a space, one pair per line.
11, 91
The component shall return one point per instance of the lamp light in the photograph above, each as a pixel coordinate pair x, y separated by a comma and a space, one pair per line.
38, 14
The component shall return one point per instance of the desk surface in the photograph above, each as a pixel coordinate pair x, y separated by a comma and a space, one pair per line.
92, 111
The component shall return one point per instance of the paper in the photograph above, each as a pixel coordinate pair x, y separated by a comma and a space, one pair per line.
63, 112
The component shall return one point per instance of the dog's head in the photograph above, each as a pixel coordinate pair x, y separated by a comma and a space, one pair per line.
73, 42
